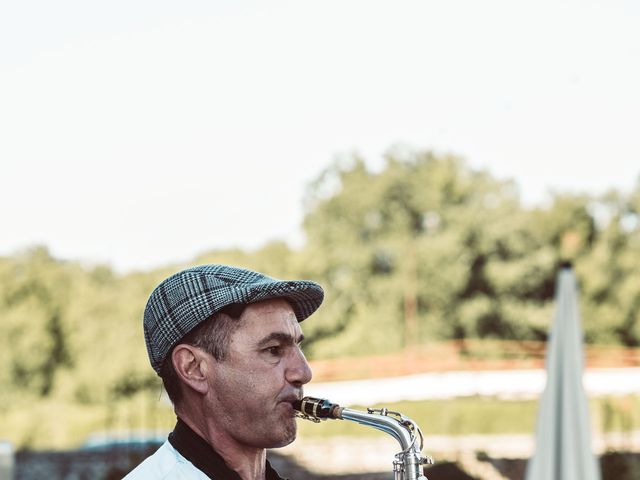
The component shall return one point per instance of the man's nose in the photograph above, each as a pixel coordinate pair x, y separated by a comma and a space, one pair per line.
299, 371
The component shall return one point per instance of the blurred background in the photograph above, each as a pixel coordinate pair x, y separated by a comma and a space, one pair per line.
431, 164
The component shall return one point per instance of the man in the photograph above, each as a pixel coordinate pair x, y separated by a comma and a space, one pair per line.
226, 343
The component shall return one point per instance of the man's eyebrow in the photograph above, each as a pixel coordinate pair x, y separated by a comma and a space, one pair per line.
281, 337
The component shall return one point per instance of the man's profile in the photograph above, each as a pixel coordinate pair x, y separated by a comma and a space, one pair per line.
226, 343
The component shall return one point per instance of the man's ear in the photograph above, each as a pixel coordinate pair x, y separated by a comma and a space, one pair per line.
189, 363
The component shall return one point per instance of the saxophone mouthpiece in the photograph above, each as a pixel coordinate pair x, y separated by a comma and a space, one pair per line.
317, 408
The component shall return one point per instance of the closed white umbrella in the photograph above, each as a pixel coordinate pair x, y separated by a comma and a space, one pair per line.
563, 433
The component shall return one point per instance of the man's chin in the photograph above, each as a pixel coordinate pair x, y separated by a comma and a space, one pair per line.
289, 435
286, 442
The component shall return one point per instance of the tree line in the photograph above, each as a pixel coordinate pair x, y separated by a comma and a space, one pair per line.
424, 249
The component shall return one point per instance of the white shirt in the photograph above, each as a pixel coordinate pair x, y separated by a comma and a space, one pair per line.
166, 464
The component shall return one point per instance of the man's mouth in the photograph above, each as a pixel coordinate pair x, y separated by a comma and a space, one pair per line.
290, 401
291, 398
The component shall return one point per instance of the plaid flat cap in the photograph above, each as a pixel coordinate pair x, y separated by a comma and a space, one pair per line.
187, 298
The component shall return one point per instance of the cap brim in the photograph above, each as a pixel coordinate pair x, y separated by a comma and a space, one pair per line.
304, 296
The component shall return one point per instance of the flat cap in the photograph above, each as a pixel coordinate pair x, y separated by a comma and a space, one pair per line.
184, 300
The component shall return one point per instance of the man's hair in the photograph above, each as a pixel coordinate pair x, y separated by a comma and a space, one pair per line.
213, 336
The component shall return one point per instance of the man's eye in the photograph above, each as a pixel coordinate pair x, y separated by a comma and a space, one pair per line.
275, 351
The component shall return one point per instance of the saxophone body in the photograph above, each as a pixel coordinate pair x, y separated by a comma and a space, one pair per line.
408, 463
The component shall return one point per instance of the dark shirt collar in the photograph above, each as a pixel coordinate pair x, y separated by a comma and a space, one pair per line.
195, 449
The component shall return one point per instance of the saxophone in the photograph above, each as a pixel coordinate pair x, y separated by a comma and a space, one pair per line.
408, 462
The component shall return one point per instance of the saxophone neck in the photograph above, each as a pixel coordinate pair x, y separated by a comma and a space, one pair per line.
386, 421
409, 460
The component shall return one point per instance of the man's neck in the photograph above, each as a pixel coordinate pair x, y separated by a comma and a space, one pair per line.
248, 462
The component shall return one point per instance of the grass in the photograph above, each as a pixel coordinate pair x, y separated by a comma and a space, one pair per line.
465, 416
50, 425
458, 416
55, 425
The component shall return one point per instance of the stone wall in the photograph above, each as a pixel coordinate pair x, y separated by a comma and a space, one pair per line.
96, 464
114, 462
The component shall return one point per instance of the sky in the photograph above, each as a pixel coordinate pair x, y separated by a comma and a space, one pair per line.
139, 133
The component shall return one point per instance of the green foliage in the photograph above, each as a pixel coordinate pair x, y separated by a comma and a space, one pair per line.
429, 248
424, 249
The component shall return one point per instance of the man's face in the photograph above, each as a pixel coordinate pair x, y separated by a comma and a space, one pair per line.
263, 372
